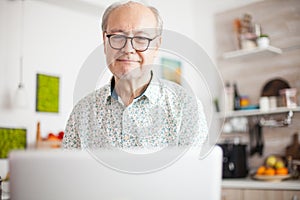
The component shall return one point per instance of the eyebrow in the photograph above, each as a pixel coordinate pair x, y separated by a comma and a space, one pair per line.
117, 31
126, 32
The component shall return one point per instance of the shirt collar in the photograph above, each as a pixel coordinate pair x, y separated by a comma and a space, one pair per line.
152, 92
113, 92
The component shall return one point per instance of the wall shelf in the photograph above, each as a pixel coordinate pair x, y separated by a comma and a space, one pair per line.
257, 112
254, 51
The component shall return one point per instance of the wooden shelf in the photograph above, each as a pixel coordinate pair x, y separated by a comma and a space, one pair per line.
48, 144
256, 112
254, 51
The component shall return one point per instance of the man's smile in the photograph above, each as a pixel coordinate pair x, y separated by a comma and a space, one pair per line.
125, 60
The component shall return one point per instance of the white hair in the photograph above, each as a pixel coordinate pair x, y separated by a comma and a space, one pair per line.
114, 6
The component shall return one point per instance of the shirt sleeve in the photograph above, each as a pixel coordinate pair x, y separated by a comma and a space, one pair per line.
71, 138
202, 135
193, 130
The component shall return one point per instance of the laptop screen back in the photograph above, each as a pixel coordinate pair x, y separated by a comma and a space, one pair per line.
62, 175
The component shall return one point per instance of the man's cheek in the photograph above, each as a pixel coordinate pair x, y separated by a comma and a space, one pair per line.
148, 60
110, 56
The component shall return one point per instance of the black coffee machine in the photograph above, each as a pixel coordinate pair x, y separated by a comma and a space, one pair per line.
234, 160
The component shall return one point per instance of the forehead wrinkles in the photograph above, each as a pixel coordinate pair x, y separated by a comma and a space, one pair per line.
130, 17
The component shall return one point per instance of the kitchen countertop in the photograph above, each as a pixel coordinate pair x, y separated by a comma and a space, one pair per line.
248, 183
233, 183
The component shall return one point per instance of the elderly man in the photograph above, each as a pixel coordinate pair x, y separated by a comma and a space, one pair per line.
137, 109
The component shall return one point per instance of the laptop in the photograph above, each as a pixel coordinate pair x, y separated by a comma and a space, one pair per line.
78, 175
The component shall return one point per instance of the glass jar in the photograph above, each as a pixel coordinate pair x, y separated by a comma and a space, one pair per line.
289, 97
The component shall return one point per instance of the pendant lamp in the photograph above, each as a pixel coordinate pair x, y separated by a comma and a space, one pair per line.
21, 94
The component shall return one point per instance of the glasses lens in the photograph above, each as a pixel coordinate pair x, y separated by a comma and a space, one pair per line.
117, 41
140, 43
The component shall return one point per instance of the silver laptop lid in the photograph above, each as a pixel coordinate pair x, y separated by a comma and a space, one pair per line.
63, 175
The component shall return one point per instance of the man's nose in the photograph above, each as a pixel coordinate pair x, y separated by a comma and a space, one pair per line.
128, 48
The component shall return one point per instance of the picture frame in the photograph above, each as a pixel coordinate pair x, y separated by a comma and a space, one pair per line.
12, 139
171, 69
47, 93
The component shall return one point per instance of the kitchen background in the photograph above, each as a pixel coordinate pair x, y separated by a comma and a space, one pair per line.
280, 21
55, 37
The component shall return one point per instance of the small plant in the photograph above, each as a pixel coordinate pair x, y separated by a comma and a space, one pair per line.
264, 35
263, 40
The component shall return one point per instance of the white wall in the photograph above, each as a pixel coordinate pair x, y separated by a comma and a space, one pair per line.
57, 40
204, 13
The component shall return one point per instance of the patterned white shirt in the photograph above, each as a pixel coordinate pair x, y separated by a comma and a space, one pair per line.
164, 115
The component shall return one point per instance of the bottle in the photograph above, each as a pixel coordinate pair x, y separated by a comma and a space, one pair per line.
38, 134
237, 98
229, 106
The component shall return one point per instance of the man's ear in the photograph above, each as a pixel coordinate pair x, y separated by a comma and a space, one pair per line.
104, 41
157, 45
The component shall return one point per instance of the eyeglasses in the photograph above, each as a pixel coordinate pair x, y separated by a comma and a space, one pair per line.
139, 43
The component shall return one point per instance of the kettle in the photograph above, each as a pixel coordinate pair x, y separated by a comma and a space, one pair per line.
234, 160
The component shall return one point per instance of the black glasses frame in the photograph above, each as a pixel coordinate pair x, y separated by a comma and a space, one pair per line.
131, 41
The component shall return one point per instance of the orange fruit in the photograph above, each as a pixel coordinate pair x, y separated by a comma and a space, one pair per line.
261, 170
282, 171
270, 171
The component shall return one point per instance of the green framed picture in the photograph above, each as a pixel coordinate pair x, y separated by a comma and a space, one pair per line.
11, 139
47, 93
171, 69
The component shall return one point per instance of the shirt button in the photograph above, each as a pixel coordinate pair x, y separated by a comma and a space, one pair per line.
126, 137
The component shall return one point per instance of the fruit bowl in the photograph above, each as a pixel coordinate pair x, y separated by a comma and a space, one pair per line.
52, 141
274, 178
273, 169
276, 161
